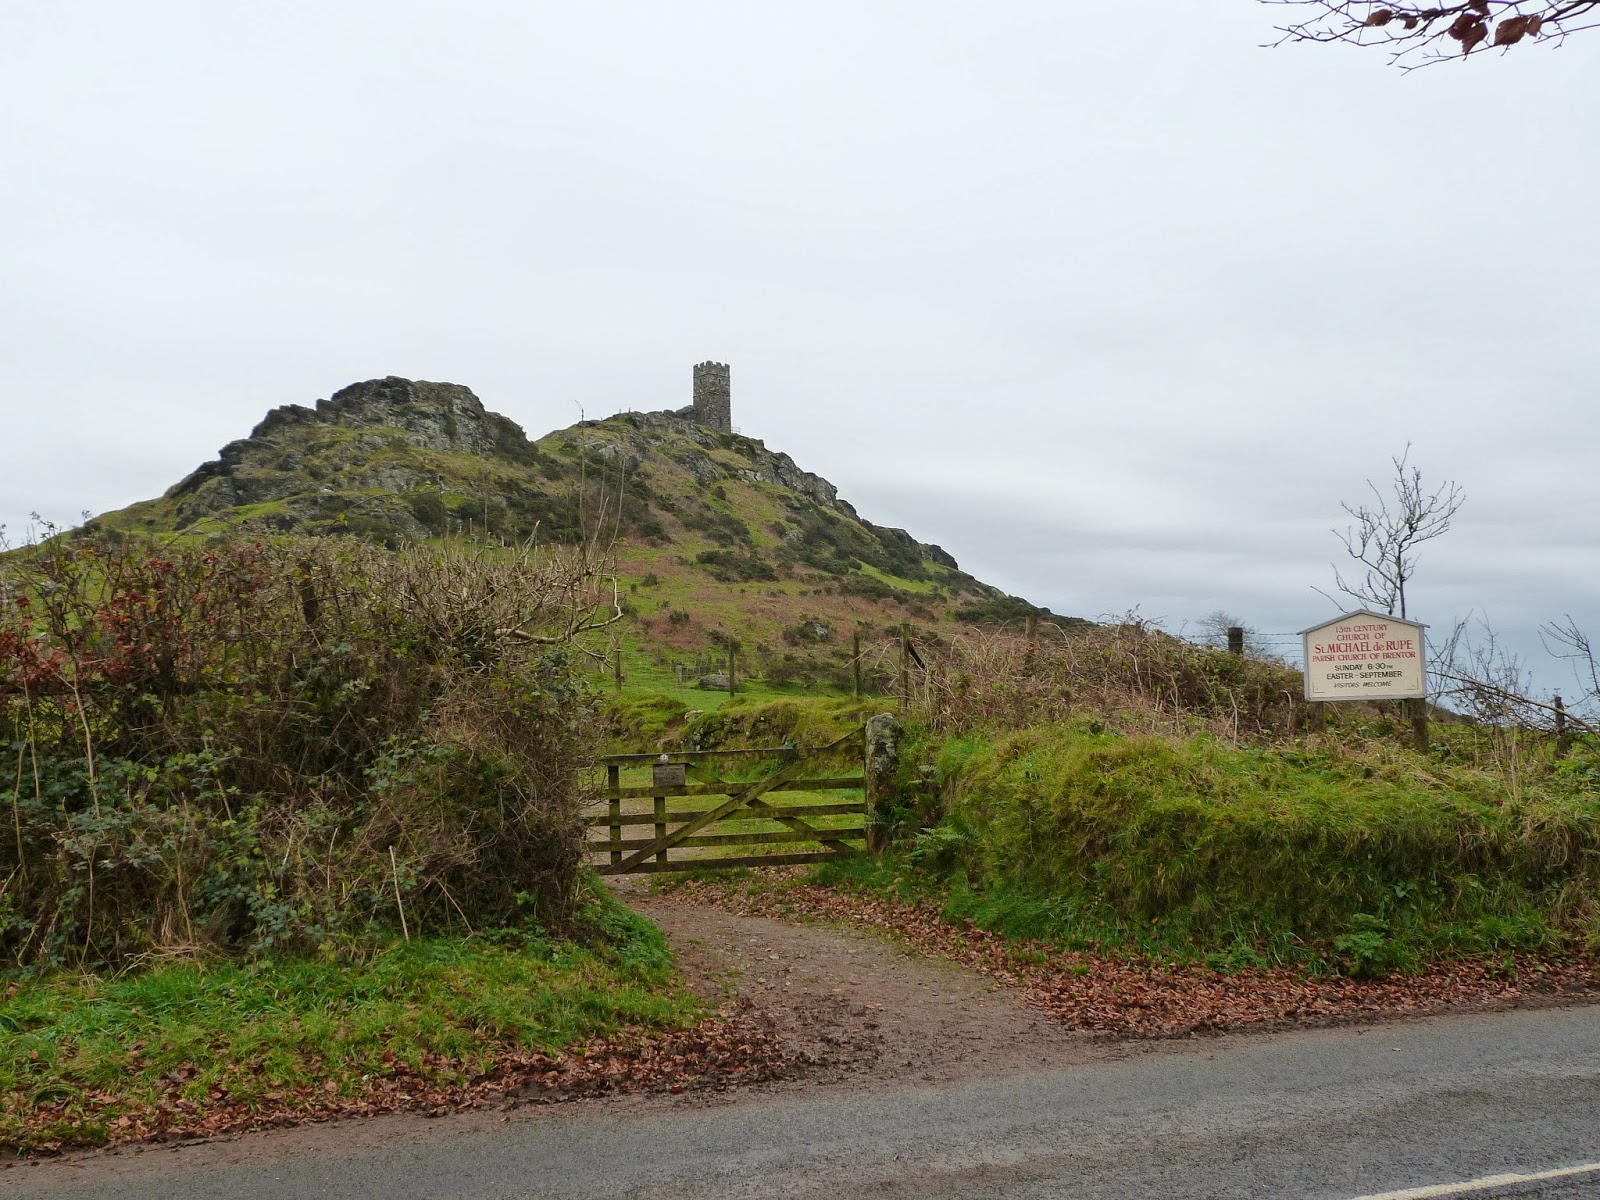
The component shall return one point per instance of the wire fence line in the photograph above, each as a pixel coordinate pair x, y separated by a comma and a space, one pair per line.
1287, 646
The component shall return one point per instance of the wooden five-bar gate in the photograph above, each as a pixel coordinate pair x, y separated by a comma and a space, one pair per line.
749, 812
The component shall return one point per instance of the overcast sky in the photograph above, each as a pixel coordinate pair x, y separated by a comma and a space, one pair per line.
1110, 301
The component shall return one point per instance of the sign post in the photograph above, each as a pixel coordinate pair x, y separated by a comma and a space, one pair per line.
1365, 655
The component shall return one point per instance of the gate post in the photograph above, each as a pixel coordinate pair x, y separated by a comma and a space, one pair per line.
614, 810
879, 766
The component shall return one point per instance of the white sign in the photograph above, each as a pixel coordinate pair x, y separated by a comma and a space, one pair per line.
1365, 656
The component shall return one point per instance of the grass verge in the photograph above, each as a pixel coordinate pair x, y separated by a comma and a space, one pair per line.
1363, 857
191, 1047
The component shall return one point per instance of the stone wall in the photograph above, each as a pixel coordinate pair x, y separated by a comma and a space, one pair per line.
713, 396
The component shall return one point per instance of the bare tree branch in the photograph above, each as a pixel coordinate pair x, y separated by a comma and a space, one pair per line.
1490, 685
1418, 34
1508, 698
1566, 640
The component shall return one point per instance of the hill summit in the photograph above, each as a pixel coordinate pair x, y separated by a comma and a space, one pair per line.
714, 532
361, 453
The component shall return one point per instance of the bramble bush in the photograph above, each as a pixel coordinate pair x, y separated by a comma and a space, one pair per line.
306, 745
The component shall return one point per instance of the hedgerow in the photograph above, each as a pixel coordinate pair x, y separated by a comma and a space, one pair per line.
305, 745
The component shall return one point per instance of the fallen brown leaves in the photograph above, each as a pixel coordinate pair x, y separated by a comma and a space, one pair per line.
738, 1048
1139, 998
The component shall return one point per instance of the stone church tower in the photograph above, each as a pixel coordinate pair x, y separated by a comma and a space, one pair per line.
713, 396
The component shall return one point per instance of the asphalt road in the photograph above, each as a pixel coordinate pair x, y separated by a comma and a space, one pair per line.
1329, 1113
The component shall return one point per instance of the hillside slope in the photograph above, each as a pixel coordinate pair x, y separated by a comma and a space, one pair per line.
717, 537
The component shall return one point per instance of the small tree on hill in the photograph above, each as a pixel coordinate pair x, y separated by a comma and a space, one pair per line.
1388, 532
1212, 630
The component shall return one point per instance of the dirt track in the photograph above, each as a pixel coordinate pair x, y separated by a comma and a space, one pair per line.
856, 1006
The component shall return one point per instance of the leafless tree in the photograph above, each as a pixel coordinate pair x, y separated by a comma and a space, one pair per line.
1387, 533
1418, 34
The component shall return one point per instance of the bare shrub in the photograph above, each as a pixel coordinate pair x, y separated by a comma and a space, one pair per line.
298, 745
1520, 725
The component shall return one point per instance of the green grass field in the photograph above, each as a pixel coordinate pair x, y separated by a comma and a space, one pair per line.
643, 678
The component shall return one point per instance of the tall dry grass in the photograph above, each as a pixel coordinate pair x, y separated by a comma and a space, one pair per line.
1130, 674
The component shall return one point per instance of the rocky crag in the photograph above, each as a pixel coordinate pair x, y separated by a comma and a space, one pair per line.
357, 455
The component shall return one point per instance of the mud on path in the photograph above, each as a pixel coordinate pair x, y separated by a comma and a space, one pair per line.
854, 1007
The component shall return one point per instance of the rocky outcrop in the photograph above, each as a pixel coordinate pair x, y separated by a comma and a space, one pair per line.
780, 469
429, 416
433, 416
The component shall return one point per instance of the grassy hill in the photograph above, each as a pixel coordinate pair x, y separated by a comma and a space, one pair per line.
717, 538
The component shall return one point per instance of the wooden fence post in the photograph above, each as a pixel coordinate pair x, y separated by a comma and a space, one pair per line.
880, 763
1236, 640
1561, 727
1419, 725
905, 666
